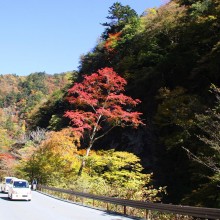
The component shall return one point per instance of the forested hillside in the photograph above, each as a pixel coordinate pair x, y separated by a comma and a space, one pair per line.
169, 57
25, 93
20, 97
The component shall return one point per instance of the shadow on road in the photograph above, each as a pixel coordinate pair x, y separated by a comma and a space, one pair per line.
4, 198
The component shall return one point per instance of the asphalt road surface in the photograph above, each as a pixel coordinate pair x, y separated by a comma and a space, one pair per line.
43, 207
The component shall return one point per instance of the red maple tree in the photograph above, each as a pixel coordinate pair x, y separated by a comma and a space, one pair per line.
100, 100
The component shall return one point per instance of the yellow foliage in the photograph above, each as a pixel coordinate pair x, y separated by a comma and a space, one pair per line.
62, 142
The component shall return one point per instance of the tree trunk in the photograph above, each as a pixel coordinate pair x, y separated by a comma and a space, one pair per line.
84, 160
81, 167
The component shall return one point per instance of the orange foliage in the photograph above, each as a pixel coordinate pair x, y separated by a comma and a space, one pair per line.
5, 156
82, 152
111, 42
7, 164
63, 142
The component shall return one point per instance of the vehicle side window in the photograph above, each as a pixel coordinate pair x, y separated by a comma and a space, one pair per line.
8, 180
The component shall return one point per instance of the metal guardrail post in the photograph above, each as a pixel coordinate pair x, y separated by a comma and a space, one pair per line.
148, 214
124, 209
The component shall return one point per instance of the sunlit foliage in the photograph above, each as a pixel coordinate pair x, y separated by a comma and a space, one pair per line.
101, 103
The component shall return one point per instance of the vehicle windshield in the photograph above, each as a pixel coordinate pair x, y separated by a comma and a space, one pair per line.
20, 184
8, 180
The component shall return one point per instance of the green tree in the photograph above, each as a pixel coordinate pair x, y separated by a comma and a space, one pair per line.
175, 121
209, 124
51, 160
122, 172
208, 154
119, 16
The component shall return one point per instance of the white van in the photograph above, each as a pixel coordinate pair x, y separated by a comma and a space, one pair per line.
19, 189
5, 183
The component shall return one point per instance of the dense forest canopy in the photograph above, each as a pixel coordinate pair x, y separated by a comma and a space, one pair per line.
169, 57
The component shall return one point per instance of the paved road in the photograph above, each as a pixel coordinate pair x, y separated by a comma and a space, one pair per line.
46, 208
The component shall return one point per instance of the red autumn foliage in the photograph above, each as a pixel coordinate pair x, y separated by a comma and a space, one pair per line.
101, 95
101, 100
5, 156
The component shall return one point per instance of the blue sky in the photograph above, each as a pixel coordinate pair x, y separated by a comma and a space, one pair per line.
50, 35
